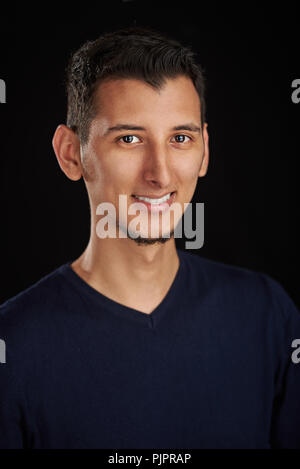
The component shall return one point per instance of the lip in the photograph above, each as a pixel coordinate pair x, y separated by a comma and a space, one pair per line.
157, 207
155, 196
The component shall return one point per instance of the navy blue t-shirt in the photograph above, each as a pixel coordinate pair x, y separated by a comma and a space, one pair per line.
210, 367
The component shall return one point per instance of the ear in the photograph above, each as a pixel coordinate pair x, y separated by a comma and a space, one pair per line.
66, 146
205, 159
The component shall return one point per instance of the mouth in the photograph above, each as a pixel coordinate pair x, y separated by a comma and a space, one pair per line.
156, 203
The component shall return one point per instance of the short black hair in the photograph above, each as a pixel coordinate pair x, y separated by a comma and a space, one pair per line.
133, 52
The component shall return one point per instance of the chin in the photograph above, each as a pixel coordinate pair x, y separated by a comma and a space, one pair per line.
145, 241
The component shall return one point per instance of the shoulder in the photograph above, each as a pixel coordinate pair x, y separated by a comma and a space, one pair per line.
33, 323
235, 284
218, 274
34, 300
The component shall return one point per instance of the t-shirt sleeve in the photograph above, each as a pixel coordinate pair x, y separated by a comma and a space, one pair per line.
285, 424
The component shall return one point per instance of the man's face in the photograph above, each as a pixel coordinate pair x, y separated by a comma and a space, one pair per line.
145, 143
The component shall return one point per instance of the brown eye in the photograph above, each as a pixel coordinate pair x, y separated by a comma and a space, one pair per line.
181, 138
128, 138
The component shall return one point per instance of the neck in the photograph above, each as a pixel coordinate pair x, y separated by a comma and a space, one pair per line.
137, 276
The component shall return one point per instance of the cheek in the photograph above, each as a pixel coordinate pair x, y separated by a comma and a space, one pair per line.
189, 170
112, 175
188, 174
119, 173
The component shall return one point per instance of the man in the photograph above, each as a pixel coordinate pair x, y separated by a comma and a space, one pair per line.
136, 344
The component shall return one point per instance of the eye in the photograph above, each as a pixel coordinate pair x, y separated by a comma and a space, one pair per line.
128, 138
181, 138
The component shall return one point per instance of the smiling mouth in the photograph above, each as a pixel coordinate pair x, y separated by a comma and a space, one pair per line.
154, 200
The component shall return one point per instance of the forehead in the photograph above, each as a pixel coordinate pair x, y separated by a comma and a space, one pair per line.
122, 98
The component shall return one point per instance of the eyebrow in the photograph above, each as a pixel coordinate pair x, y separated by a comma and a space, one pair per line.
116, 128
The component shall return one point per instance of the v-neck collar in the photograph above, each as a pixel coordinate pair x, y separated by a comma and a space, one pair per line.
149, 320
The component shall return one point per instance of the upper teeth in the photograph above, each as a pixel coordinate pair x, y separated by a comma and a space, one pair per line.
155, 201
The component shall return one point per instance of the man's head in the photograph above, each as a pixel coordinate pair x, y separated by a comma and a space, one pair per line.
135, 124
136, 53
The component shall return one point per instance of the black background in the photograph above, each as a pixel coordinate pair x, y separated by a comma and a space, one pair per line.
250, 194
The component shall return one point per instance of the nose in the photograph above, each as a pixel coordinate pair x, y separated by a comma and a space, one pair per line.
157, 167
